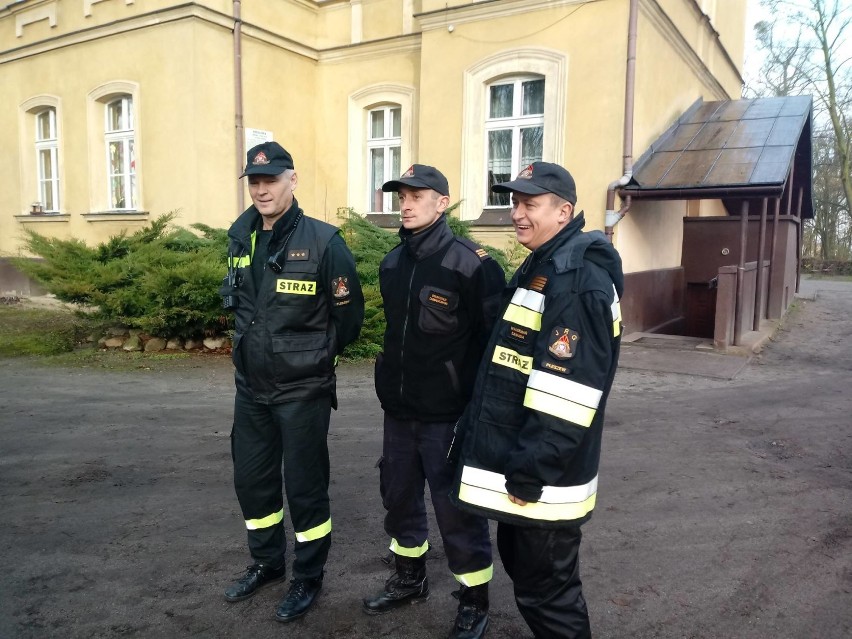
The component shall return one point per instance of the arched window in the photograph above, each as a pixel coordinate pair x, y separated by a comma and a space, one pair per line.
384, 146
121, 159
47, 159
514, 126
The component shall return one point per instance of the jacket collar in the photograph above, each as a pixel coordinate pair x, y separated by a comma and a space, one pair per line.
428, 241
250, 221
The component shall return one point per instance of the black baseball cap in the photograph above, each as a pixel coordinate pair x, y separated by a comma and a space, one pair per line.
268, 158
420, 176
541, 177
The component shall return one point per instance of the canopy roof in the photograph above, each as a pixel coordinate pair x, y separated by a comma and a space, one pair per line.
731, 150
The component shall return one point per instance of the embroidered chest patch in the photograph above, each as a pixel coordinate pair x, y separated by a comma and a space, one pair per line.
519, 333
296, 287
564, 344
298, 255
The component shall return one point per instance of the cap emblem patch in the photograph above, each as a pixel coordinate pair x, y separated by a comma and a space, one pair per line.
260, 158
564, 345
409, 172
526, 174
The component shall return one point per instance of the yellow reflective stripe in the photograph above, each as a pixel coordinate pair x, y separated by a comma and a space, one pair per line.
565, 388
561, 408
512, 359
296, 287
477, 578
523, 316
419, 551
240, 262
265, 522
316, 532
616, 328
487, 489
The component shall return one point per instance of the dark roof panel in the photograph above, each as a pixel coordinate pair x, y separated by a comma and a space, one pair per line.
717, 147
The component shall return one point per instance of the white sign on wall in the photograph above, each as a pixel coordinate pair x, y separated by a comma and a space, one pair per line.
256, 136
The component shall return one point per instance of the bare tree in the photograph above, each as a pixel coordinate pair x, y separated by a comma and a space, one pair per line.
808, 49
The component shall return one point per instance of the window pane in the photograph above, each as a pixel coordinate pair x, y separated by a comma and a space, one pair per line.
395, 171
501, 101
116, 158
533, 97
114, 116
499, 164
532, 143
45, 164
132, 156
396, 124
377, 124
44, 130
377, 176
117, 192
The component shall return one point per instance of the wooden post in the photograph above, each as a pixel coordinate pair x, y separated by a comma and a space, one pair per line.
738, 312
758, 294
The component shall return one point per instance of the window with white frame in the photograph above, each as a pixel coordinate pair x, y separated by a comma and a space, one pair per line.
514, 127
121, 159
384, 144
47, 159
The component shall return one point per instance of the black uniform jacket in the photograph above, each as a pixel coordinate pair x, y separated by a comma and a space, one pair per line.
533, 427
441, 295
291, 325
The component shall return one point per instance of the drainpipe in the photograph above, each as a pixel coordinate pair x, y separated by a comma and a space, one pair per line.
613, 217
238, 101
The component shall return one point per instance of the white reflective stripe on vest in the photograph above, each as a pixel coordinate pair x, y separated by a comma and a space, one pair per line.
616, 314
487, 489
532, 300
565, 388
525, 309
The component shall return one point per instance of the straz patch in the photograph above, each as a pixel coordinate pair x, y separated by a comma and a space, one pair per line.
440, 300
340, 287
298, 255
538, 283
512, 359
296, 287
519, 333
564, 344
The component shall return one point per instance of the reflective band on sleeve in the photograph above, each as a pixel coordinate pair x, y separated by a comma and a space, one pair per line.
565, 388
419, 551
512, 359
561, 408
265, 522
487, 489
477, 578
315, 533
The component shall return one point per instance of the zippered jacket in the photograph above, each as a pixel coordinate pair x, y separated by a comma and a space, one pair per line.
290, 326
441, 294
533, 427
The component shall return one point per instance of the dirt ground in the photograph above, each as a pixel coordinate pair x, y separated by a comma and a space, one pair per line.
724, 505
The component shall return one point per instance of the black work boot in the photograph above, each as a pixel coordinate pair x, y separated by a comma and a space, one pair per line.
257, 575
407, 585
472, 618
299, 599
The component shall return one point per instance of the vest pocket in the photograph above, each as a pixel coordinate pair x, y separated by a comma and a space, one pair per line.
438, 311
300, 355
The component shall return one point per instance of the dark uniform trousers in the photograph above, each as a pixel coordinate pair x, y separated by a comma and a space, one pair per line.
264, 436
544, 565
415, 452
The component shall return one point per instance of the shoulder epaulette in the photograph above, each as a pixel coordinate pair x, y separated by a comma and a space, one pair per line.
480, 252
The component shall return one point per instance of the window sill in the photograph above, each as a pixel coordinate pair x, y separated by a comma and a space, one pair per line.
26, 218
494, 217
384, 220
115, 216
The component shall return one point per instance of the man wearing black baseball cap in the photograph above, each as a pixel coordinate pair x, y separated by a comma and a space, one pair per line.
528, 443
297, 303
440, 295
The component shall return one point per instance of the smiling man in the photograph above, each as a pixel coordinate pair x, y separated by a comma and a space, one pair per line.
529, 441
441, 295
297, 303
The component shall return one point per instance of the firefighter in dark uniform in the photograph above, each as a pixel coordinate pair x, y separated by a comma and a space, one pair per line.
441, 295
529, 441
297, 303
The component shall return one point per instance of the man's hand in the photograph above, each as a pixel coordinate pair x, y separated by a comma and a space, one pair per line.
517, 500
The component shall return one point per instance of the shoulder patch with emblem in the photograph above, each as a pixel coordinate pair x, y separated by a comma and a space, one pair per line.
340, 287
564, 344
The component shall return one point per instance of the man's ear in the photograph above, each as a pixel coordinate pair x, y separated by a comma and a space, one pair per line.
294, 180
443, 203
566, 212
